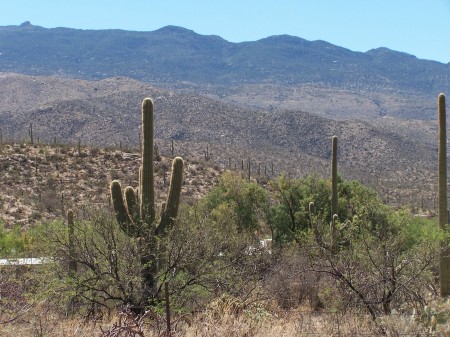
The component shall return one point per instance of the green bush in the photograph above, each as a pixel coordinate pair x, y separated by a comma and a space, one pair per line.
383, 259
245, 200
13, 242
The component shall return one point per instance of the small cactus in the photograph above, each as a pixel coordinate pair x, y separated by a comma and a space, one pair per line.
30, 133
207, 156
333, 243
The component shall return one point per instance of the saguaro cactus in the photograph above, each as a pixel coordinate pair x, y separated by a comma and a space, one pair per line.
444, 260
136, 212
334, 193
30, 133
334, 183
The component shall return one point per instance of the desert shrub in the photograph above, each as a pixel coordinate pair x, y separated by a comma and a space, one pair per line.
206, 256
289, 211
291, 287
107, 268
246, 200
211, 256
13, 242
382, 260
377, 258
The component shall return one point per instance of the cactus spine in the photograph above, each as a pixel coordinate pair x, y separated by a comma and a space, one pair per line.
444, 260
136, 213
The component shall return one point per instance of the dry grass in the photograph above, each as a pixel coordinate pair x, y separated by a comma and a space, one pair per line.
225, 318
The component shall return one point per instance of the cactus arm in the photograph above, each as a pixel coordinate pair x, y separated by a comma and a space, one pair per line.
173, 199
131, 204
120, 210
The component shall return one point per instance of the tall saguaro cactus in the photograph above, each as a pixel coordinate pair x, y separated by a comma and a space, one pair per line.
334, 178
334, 192
444, 260
136, 212
147, 206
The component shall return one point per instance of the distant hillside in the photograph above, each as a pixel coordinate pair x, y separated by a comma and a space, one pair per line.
285, 68
58, 177
107, 113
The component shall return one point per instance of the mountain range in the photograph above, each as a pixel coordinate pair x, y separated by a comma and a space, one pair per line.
277, 100
276, 72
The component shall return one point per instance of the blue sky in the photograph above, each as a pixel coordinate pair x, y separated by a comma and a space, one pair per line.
418, 27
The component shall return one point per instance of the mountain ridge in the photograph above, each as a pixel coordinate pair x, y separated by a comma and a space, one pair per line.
174, 54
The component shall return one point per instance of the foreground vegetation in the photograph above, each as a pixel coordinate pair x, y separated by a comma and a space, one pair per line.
241, 258
220, 277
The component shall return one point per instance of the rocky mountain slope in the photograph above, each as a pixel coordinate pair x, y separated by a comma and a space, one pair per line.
394, 155
41, 182
277, 72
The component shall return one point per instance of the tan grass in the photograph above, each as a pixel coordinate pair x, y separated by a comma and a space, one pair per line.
226, 321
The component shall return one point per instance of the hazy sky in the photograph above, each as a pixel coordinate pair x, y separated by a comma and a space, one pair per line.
418, 27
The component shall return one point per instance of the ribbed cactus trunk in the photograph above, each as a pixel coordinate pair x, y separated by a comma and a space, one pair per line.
148, 244
334, 193
444, 260
334, 179
147, 207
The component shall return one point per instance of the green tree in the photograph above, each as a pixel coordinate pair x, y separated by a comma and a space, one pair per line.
384, 259
246, 200
289, 213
